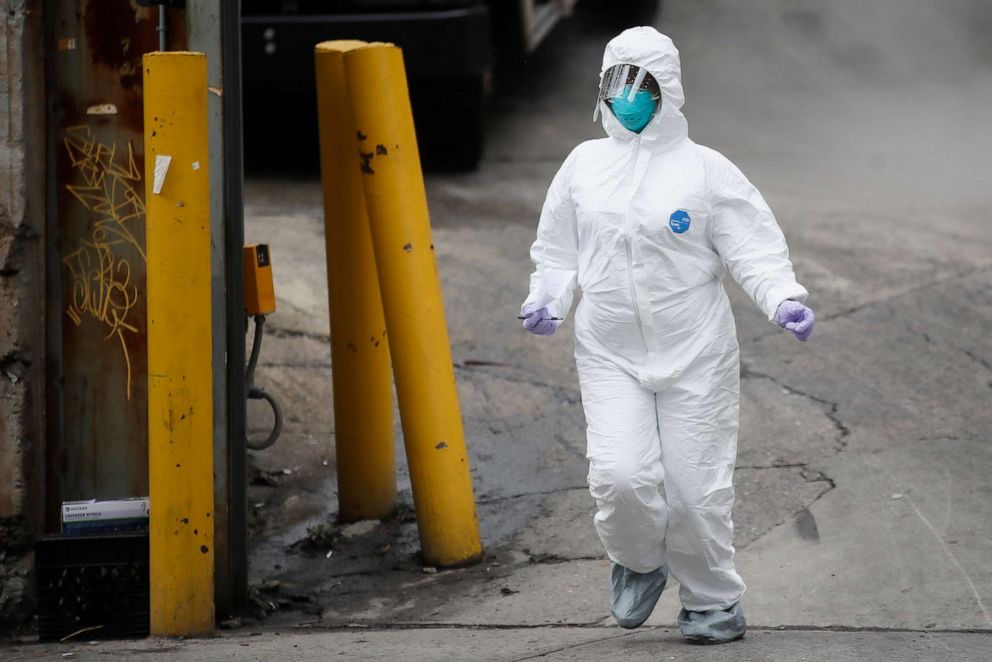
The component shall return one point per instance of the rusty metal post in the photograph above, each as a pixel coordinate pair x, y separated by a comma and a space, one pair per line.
386, 147
363, 387
180, 376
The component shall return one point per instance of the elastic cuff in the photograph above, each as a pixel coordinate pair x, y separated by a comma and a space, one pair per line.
775, 297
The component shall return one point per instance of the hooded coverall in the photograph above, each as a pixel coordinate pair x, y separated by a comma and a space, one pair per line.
646, 225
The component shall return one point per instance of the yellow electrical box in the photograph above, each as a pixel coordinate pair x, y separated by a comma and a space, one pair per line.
260, 296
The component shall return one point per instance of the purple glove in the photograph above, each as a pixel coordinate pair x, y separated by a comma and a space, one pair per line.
537, 322
794, 316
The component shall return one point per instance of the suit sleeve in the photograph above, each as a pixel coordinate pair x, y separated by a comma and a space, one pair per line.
748, 239
555, 250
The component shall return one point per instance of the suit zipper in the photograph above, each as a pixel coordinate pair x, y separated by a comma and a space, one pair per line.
630, 249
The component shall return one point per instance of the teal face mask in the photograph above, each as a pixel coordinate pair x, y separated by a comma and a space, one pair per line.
634, 115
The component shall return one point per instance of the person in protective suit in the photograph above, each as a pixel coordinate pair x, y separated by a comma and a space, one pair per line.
646, 222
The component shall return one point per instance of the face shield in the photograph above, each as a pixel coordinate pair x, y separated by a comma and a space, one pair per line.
627, 78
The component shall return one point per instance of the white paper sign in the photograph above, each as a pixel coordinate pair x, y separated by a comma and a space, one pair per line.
161, 168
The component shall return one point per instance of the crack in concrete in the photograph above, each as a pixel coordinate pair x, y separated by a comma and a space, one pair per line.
377, 572
281, 332
977, 359
562, 441
868, 304
353, 626
774, 465
570, 647
558, 559
387, 626
816, 477
831, 411
961, 275
952, 437
482, 501
805, 473
967, 352
808, 476
820, 478
851, 628
832, 407
561, 393
570, 395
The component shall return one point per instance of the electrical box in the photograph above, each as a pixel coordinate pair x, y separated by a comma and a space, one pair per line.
260, 296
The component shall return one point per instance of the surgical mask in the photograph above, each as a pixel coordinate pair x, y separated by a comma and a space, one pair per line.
633, 111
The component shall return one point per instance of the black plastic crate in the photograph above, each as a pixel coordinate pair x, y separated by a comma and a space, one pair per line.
89, 581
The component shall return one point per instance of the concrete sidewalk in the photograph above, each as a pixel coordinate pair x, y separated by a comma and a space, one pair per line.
862, 520
518, 644
864, 454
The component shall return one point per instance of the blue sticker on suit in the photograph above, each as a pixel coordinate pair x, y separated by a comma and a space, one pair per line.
679, 221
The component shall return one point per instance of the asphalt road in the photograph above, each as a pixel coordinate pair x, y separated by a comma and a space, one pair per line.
863, 479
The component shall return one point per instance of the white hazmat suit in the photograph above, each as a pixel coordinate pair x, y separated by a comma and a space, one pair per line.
646, 224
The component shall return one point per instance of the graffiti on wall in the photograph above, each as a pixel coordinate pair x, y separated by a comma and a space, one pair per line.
100, 268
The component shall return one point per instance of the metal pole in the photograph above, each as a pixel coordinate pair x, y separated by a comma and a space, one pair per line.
411, 294
163, 27
363, 388
180, 375
234, 239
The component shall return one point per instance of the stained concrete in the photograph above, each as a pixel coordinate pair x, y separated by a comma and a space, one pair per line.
863, 453
518, 645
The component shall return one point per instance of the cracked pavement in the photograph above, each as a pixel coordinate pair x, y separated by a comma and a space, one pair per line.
862, 522
863, 454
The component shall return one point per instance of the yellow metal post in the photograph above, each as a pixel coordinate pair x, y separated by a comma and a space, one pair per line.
411, 294
363, 387
180, 412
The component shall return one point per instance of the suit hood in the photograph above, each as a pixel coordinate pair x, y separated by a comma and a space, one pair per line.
655, 52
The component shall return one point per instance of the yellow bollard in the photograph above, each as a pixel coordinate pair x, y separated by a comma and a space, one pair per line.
411, 296
363, 389
180, 412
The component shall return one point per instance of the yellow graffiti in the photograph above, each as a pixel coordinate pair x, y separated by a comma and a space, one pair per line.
100, 276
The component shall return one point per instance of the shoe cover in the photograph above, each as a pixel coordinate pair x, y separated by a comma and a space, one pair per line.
717, 626
635, 594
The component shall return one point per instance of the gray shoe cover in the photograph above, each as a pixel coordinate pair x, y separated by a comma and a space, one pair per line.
634, 594
713, 627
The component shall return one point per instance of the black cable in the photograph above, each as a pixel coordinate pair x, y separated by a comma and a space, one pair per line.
259, 393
